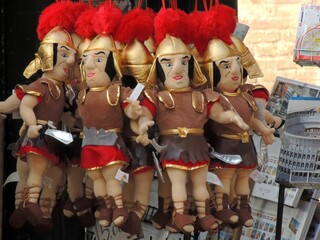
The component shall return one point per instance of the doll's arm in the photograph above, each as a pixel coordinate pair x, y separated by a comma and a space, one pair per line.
219, 115
261, 129
133, 110
265, 116
10, 105
28, 102
144, 123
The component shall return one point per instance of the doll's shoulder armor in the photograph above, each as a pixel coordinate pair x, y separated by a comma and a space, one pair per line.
82, 95
150, 95
210, 95
166, 98
198, 101
113, 94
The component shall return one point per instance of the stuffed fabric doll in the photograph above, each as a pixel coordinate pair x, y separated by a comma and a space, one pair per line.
135, 28
223, 69
55, 57
180, 112
101, 108
79, 187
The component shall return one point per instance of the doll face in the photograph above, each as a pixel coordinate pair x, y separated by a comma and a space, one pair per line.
231, 74
94, 63
63, 68
175, 68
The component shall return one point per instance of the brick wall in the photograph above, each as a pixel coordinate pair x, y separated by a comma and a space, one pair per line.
271, 38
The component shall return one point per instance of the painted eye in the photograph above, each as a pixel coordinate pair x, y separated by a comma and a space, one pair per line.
98, 60
226, 66
169, 64
185, 62
64, 55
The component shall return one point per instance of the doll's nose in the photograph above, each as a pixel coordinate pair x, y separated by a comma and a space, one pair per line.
71, 59
177, 67
89, 62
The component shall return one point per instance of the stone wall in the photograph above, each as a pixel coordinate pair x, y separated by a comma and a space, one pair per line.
271, 38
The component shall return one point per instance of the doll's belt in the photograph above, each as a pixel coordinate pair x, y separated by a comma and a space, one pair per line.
181, 131
49, 123
244, 137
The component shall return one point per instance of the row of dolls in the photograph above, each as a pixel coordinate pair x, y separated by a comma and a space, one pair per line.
192, 100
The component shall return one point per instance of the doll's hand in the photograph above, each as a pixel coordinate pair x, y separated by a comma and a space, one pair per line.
143, 127
33, 131
134, 110
239, 122
143, 139
267, 136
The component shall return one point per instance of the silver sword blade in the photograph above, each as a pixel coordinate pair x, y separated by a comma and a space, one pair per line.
64, 137
158, 168
227, 158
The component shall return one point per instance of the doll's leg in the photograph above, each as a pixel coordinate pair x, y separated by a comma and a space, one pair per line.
17, 218
53, 180
242, 190
142, 186
38, 166
10, 105
81, 205
74, 188
128, 193
114, 189
100, 190
181, 216
200, 192
164, 212
222, 212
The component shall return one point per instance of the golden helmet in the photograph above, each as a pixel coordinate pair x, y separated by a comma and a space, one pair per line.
137, 61
247, 60
106, 43
44, 57
172, 46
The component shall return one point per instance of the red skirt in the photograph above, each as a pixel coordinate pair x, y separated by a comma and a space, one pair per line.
43, 151
95, 157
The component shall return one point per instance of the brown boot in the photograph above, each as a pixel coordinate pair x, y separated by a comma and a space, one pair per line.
222, 212
68, 210
46, 223
182, 220
17, 218
82, 206
119, 214
133, 224
208, 222
105, 212
164, 213
243, 209
32, 210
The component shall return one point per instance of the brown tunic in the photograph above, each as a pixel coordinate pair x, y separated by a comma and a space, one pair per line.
244, 103
49, 109
101, 110
183, 109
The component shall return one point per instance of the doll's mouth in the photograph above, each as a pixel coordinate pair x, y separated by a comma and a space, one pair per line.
90, 74
66, 70
235, 78
178, 77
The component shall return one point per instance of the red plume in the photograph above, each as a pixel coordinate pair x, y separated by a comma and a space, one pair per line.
175, 23
83, 25
219, 22
137, 23
56, 14
226, 22
106, 19
77, 9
